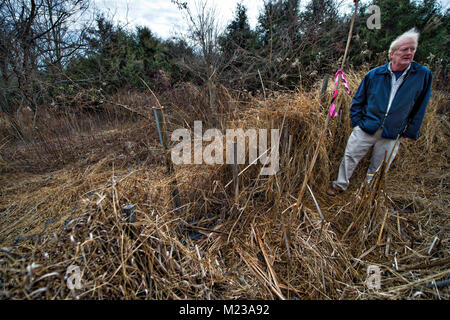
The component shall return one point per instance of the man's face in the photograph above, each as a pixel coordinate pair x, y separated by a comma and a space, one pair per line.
404, 54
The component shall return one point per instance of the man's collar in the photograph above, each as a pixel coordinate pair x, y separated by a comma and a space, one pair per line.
385, 69
402, 71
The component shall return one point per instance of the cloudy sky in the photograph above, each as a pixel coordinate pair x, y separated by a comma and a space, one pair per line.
164, 18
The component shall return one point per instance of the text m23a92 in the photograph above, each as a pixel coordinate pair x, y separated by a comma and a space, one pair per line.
245, 309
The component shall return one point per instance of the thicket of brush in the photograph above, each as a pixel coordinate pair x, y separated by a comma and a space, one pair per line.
64, 184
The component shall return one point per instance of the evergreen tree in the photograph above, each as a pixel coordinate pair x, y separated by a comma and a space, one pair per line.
116, 57
238, 34
279, 42
323, 33
238, 45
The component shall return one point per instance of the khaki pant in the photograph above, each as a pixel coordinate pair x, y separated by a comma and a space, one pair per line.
358, 144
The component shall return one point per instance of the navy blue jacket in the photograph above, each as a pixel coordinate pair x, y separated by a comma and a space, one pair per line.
369, 105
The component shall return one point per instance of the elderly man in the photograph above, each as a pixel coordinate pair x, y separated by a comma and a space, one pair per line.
390, 103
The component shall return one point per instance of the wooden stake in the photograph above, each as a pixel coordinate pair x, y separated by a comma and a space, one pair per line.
323, 89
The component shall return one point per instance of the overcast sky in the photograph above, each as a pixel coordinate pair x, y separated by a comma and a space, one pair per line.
164, 18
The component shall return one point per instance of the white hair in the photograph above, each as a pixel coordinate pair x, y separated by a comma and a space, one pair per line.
412, 34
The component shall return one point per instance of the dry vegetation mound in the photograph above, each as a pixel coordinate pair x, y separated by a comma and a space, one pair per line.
64, 187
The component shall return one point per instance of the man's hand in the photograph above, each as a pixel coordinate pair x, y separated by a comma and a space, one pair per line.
406, 139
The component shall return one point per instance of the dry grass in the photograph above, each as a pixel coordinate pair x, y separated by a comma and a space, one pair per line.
214, 248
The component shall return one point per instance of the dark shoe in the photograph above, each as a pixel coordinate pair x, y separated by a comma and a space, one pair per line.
333, 191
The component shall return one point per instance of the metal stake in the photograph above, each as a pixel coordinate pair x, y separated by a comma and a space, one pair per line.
235, 173
163, 138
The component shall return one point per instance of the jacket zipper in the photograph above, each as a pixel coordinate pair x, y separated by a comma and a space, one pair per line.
387, 112
385, 116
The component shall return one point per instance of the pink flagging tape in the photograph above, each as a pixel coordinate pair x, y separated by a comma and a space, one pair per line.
341, 73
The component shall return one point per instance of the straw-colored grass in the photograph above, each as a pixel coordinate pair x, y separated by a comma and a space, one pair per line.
213, 247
